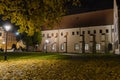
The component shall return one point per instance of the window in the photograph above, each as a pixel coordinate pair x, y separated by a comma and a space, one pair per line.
94, 31
88, 32
100, 31
97, 46
63, 46
61, 34
86, 47
107, 30
76, 46
77, 33
83, 32
54, 47
73, 33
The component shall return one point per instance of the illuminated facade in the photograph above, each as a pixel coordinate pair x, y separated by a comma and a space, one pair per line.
91, 32
73, 40
11, 39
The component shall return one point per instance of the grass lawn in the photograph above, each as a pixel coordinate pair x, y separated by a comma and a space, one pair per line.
32, 55
55, 56
49, 66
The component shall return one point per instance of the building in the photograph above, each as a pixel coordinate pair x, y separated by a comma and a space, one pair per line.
11, 39
91, 32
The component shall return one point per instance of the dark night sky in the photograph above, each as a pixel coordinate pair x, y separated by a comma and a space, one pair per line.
91, 5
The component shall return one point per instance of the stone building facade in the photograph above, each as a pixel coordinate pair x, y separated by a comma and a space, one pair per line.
73, 40
90, 32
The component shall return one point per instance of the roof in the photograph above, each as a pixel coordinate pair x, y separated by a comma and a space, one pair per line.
95, 18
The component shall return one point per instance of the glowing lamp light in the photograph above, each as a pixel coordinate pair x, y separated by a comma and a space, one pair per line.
47, 41
3, 42
7, 27
17, 33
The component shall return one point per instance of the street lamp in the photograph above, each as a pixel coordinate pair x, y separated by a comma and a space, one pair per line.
18, 36
3, 42
46, 41
7, 28
17, 33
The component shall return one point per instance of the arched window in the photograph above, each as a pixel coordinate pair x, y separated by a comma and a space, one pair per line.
76, 46
54, 46
86, 47
63, 46
97, 46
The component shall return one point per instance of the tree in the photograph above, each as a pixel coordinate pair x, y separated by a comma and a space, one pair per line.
32, 40
31, 15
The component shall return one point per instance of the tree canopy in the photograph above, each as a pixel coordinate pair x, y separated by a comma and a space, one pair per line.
31, 15
31, 40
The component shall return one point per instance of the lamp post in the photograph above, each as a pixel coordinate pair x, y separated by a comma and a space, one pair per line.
7, 28
46, 41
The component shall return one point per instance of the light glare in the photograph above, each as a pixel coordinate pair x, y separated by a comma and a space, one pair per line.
47, 41
7, 27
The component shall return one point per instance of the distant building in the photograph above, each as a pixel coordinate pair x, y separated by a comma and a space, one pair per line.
89, 32
11, 39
